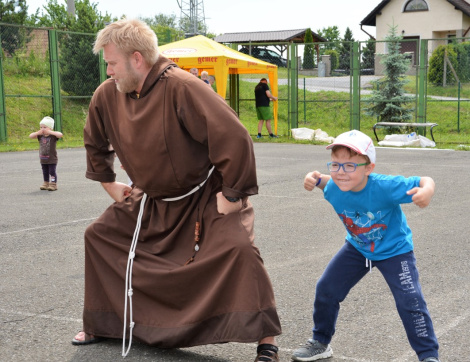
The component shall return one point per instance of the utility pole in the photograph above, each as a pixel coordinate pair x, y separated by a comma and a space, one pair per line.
71, 7
192, 20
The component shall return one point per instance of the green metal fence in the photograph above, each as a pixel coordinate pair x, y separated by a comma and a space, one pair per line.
46, 72
49, 72
334, 97
242, 87
25, 55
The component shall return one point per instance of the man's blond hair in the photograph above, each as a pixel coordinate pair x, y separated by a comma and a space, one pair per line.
129, 36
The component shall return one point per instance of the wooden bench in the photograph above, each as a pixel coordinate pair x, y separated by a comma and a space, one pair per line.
404, 124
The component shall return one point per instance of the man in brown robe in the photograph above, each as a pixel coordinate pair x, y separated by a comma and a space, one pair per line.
172, 262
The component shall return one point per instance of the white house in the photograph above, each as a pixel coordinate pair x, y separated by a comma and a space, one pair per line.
424, 19
419, 19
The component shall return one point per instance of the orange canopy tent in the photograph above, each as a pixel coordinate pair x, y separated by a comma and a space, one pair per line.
219, 60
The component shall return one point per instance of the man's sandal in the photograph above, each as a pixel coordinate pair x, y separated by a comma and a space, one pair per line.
89, 339
267, 353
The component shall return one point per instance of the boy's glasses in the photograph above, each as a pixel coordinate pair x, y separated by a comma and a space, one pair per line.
347, 166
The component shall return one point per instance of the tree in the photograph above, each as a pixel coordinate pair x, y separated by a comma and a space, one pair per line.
390, 102
463, 59
458, 55
87, 18
13, 12
166, 28
332, 36
334, 58
345, 51
79, 67
308, 61
368, 55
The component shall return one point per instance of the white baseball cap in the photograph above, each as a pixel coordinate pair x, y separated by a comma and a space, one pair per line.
357, 141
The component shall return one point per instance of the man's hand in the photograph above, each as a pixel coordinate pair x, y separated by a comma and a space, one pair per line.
117, 190
226, 207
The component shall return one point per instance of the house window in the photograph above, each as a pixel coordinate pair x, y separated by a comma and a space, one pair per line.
416, 5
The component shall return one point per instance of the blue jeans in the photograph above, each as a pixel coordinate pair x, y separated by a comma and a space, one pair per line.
345, 270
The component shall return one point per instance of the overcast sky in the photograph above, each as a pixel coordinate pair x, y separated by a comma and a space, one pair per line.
229, 16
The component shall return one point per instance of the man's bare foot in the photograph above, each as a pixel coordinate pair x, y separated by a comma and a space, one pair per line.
83, 338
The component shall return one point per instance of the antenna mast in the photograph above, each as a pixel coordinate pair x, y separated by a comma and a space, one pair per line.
192, 20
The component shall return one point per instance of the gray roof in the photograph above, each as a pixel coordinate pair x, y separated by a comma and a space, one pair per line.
370, 19
279, 36
461, 5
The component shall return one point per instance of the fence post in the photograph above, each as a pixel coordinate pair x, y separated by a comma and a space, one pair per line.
305, 104
355, 121
458, 106
55, 79
423, 60
293, 85
234, 93
3, 117
102, 65
234, 88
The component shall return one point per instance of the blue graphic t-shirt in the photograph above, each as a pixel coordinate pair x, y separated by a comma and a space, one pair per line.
373, 217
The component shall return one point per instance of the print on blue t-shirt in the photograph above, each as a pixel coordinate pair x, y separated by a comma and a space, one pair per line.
373, 217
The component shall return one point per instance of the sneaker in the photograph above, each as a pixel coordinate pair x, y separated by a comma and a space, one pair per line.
259, 136
312, 351
44, 186
272, 135
431, 359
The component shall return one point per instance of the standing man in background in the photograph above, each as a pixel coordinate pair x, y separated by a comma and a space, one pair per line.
263, 95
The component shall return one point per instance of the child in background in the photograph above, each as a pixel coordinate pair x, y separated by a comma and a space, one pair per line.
212, 82
205, 77
47, 138
378, 235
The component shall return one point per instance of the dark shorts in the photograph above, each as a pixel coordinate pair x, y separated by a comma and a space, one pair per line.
264, 113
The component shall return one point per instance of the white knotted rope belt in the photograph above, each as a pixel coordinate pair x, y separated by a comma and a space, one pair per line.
130, 263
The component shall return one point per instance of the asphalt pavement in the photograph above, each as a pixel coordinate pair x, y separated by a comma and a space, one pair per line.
42, 257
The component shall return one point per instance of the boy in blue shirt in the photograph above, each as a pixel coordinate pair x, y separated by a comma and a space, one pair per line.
378, 235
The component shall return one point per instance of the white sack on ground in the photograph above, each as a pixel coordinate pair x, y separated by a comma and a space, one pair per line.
310, 135
412, 139
303, 133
